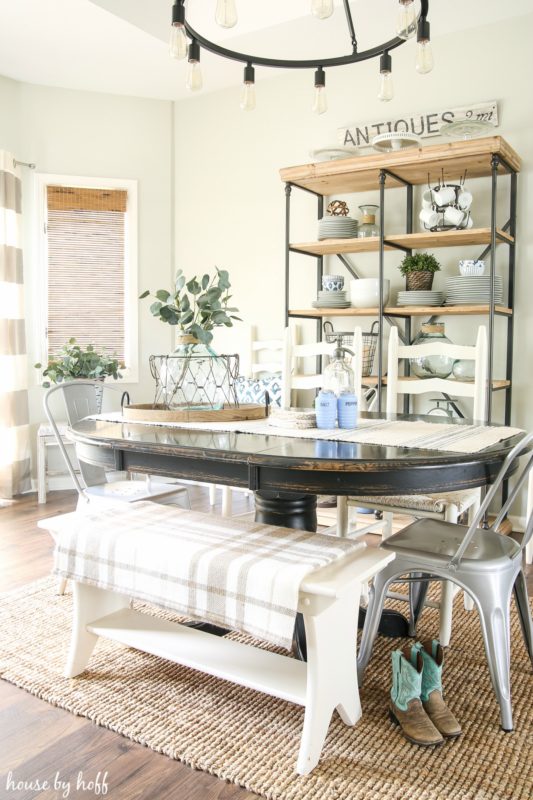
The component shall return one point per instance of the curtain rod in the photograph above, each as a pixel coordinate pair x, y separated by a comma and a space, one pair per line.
23, 164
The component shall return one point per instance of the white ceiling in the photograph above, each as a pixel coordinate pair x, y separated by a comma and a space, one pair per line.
120, 46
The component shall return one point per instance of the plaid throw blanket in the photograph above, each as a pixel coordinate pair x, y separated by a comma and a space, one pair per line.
236, 574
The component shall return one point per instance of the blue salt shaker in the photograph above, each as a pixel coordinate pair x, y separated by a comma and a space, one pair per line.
347, 409
326, 409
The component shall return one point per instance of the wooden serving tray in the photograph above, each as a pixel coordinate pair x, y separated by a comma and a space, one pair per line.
147, 412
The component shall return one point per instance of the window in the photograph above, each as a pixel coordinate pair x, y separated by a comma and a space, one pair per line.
89, 266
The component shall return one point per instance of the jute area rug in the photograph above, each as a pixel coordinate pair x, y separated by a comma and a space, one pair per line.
252, 740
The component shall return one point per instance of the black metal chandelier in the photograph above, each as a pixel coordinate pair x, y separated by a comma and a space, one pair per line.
408, 24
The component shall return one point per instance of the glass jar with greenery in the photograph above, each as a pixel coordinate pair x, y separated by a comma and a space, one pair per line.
193, 375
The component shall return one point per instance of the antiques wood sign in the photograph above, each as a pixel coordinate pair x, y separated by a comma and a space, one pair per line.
424, 125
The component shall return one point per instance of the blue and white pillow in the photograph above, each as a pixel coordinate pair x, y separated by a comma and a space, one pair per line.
252, 390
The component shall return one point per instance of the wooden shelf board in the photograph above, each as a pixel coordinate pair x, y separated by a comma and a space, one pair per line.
361, 173
444, 311
372, 380
262, 670
411, 241
404, 311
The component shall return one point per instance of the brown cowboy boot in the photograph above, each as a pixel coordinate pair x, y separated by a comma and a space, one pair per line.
431, 694
406, 708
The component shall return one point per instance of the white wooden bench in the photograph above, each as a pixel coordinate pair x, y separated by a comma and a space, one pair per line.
328, 601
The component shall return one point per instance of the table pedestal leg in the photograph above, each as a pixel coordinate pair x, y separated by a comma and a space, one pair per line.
288, 509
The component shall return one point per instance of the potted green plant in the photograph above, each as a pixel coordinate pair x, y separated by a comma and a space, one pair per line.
196, 306
74, 362
419, 270
193, 376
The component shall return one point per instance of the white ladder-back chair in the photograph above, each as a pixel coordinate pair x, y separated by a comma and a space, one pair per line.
446, 506
400, 385
257, 358
294, 378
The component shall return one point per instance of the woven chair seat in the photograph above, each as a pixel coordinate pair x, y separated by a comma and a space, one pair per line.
434, 503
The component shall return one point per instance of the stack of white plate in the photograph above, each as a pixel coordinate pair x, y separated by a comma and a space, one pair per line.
331, 300
420, 298
300, 418
472, 290
337, 228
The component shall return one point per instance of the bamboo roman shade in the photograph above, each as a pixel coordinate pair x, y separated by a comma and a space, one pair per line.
86, 266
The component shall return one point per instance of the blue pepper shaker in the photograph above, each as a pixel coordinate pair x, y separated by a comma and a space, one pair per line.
347, 408
326, 409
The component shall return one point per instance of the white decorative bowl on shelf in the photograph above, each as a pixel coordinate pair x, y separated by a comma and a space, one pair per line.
364, 292
468, 268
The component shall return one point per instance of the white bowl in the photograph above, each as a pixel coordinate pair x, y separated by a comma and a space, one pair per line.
470, 268
364, 292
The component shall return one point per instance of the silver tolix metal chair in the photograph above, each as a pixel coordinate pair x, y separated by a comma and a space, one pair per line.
83, 398
484, 563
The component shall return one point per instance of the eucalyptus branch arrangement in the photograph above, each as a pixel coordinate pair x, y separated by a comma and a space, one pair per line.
197, 305
74, 362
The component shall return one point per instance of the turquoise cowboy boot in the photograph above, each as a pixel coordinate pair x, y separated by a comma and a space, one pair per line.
406, 708
431, 693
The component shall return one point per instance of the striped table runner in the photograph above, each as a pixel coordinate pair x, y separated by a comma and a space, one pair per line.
402, 433
234, 573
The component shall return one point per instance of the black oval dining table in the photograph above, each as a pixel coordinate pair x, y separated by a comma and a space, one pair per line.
286, 474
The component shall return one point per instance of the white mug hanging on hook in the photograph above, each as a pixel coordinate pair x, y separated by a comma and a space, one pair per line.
446, 206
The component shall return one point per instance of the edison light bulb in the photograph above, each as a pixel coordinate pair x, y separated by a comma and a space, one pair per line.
226, 13
386, 88
424, 57
194, 76
248, 97
178, 42
322, 8
406, 20
320, 105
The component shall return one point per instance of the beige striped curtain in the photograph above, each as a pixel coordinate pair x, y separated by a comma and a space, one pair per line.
15, 474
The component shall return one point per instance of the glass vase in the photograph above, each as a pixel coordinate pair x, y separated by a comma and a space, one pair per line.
368, 225
193, 377
432, 366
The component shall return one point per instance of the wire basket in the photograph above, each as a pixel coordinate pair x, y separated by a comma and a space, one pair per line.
345, 339
369, 349
195, 380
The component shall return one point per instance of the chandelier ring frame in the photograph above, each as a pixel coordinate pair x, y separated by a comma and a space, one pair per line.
262, 61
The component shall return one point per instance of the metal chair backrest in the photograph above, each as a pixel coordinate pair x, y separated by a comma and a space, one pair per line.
507, 466
82, 398
293, 379
396, 384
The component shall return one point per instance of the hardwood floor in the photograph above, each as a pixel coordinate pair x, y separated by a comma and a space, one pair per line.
38, 741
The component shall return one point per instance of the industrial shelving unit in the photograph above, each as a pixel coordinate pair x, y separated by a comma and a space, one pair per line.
487, 157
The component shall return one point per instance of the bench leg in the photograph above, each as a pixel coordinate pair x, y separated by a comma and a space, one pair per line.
90, 604
41, 470
331, 674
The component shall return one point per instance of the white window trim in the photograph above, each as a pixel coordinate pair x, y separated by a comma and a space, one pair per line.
130, 374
